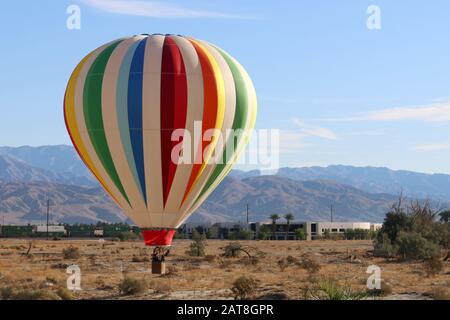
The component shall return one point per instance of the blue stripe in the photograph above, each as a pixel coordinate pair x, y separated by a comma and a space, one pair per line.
135, 81
122, 111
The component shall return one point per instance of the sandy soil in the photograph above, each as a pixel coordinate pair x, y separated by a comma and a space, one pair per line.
104, 264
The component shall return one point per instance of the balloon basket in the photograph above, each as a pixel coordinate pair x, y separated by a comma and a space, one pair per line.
158, 267
158, 260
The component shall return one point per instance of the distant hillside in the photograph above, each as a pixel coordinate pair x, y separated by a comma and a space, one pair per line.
61, 163
25, 202
308, 200
378, 180
28, 174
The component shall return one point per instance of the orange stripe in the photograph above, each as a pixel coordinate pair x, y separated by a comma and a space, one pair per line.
210, 105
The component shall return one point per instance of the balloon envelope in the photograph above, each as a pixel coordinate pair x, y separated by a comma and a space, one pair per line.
151, 117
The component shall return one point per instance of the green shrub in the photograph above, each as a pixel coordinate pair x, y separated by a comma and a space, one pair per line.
301, 234
198, 245
29, 294
244, 287
232, 249
264, 232
384, 248
130, 286
412, 245
6, 293
331, 290
71, 252
65, 294
433, 266
241, 235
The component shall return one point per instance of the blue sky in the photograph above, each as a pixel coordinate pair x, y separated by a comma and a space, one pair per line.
338, 92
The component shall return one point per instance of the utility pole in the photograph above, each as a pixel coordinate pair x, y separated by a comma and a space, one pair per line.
331, 212
48, 213
247, 214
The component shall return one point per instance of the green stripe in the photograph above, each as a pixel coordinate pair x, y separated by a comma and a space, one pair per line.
92, 106
239, 121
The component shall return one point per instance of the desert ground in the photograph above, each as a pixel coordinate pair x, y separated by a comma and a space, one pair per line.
276, 266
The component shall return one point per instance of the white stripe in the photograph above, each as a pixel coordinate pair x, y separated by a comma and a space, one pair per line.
151, 124
112, 132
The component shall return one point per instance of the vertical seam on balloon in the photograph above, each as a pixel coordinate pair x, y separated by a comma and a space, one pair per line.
135, 83
93, 115
173, 107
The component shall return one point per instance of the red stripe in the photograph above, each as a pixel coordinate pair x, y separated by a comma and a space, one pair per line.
173, 107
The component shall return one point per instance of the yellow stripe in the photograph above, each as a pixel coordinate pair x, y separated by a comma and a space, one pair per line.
72, 124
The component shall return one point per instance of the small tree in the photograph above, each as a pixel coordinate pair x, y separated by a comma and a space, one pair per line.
289, 217
197, 247
301, 234
274, 218
264, 232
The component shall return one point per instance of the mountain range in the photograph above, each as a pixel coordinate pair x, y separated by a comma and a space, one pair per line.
30, 175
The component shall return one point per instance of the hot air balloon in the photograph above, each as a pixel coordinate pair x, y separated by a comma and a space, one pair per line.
122, 106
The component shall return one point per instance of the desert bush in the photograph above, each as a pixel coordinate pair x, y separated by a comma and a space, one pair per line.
412, 232
440, 293
233, 249
128, 236
65, 294
290, 259
6, 293
30, 294
411, 245
241, 235
301, 234
130, 286
329, 289
140, 259
433, 266
161, 287
71, 253
310, 265
197, 247
244, 287
383, 247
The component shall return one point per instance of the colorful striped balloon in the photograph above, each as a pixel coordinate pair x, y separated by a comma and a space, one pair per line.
126, 100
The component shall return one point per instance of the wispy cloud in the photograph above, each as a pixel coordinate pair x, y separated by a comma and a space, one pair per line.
154, 9
313, 131
437, 112
432, 147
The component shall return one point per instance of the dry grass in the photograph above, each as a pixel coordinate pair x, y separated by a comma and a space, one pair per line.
104, 265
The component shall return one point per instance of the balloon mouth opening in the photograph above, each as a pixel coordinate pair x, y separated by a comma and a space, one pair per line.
158, 237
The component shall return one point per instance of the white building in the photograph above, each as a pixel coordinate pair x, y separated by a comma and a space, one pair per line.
318, 229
